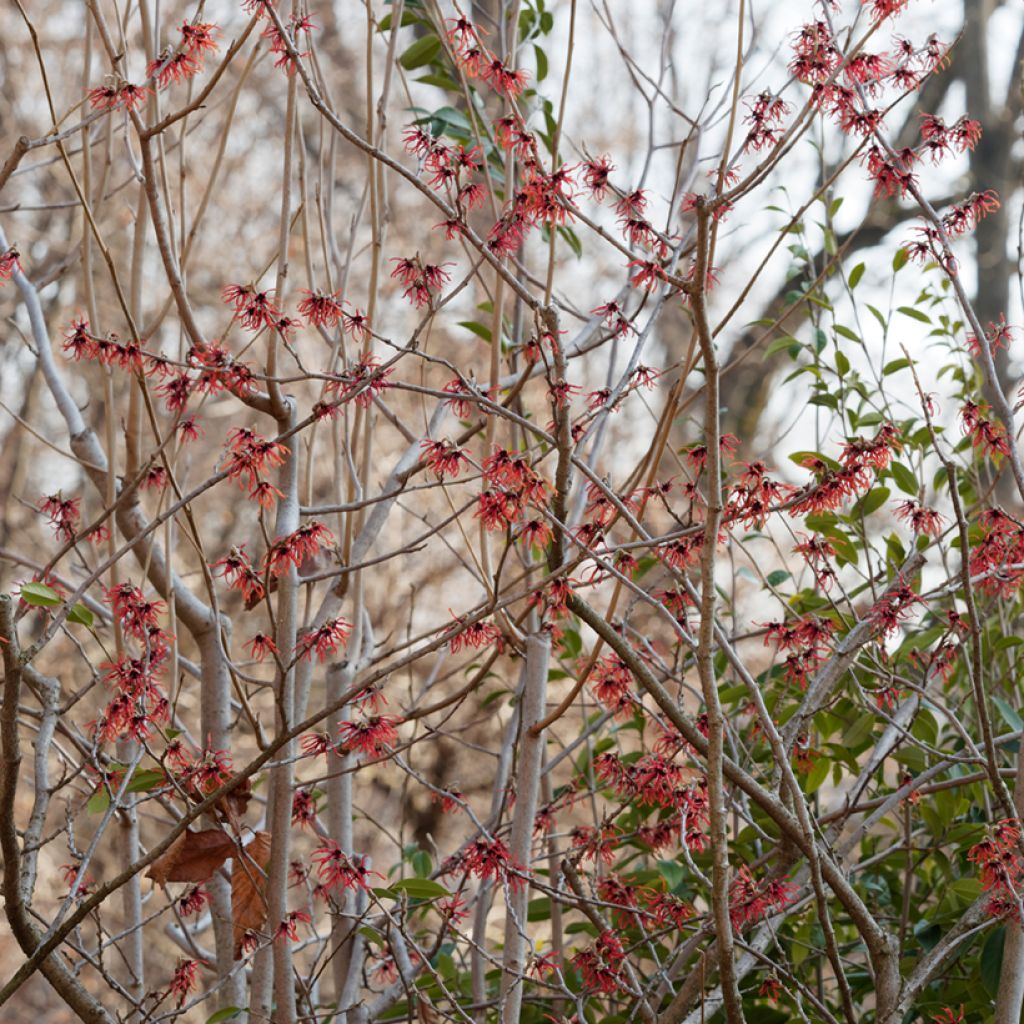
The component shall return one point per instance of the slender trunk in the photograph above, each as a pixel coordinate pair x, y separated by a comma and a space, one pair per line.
531, 753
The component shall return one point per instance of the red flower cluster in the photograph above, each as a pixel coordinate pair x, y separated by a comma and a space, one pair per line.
118, 95
600, 964
336, 869
174, 64
852, 475
985, 433
922, 520
250, 455
324, 640
997, 857
63, 513
294, 549
9, 264
807, 641
765, 115
422, 281
611, 682
278, 45
478, 62
236, 568
755, 495
750, 900
361, 381
1001, 546
487, 859
445, 458
184, 981
471, 634
893, 607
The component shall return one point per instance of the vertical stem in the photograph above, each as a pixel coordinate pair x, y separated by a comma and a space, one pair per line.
528, 771
705, 639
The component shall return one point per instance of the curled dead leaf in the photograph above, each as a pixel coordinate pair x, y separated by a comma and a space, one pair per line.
249, 888
232, 806
192, 857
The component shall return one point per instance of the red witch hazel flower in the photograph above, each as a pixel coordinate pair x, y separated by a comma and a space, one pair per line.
321, 309
197, 37
599, 965
324, 640
985, 433
236, 568
261, 646
192, 902
1002, 874
422, 280
118, 95
9, 263
253, 309
169, 66
370, 735
362, 381
893, 607
186, 977
338, 870
490, 859
251, 454
289, 927
63, 513
922, 520
750, 900
444, 458
297, 547
472, 634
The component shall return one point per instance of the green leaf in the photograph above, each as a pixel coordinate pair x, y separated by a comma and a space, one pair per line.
859, 731
98, 802
878, 316
421, 888
144, 781
777, 577
905, 480
542, 63
992, 960
871, 502
672, 872
572, 238
1009, 716
899, 260
40, 595
855, 275
817, 775
80, 614
799, 457
845, 332
421, 52
477, 328
228, 1013
895, 366
786, 344
914, 314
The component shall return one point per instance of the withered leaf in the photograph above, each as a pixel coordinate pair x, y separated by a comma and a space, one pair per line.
233, 806
192, 857
249, 888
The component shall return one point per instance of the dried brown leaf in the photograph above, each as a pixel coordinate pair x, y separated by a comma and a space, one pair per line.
233, 806
249, 888
192, 857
